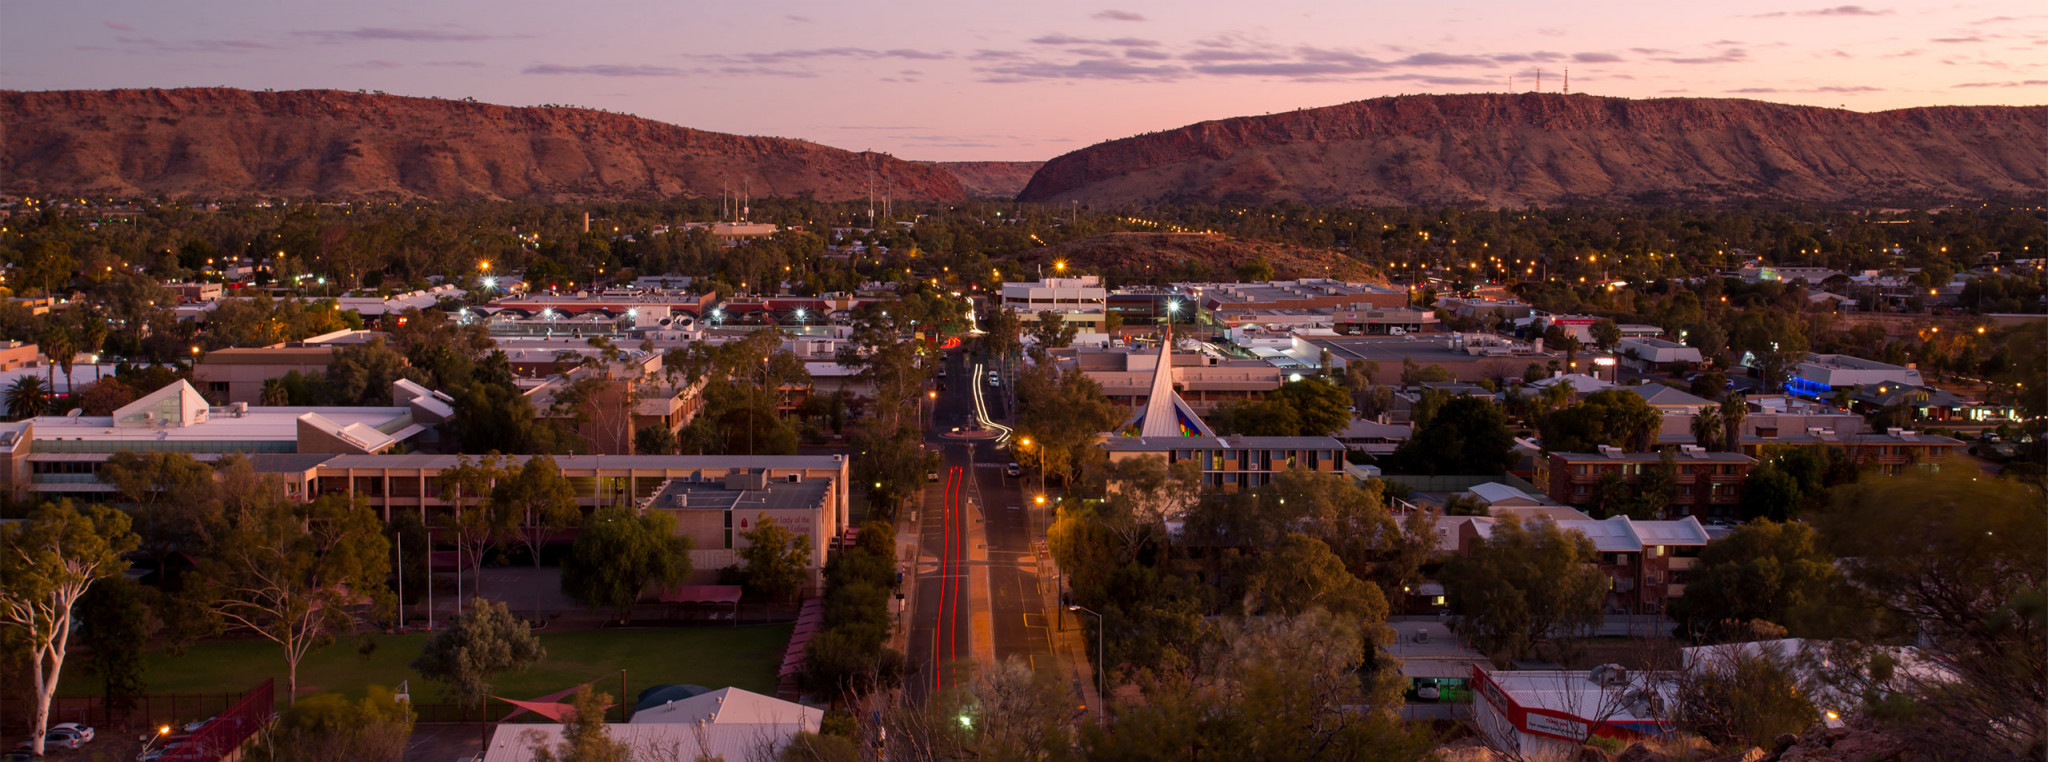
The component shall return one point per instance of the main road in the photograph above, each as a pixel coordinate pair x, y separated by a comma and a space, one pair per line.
982, 594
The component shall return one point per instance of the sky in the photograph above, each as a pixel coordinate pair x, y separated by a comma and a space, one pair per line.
969, 80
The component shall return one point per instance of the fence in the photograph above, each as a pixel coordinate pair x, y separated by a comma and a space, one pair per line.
228, 730
142, 713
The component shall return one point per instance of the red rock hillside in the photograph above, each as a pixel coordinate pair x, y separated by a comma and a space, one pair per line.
219, 142
1549, 149
992, 179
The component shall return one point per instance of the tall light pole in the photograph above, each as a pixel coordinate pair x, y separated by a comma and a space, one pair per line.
1101, 698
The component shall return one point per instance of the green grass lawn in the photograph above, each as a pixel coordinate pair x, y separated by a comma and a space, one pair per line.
715, 657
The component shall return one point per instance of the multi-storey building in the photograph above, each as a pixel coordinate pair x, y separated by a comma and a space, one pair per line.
1166, 426
1891, 453
715, 498
1709, 483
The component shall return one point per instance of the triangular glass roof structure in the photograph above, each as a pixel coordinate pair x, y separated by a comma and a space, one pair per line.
1165, 414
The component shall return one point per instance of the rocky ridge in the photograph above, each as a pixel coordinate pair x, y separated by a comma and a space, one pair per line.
223, 142
1551, 149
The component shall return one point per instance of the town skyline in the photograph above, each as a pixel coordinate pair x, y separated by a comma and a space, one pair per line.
937, 82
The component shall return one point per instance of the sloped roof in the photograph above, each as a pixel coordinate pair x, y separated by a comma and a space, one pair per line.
733, 706
177, 404
1165, 414
1614, 535
1494, 492
1659, 394
1580, 382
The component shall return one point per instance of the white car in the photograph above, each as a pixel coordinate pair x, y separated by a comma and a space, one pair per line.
63, 735
993, 381
1013, 470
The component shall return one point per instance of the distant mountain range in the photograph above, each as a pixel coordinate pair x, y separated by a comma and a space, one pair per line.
220, 142
1551, 149
1468, 150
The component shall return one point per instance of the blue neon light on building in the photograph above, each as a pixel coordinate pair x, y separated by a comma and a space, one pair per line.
1807, 387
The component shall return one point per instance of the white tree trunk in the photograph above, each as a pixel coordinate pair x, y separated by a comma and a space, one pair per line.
46, 682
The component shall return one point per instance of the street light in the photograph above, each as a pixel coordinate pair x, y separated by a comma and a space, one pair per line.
1100, 698
149, 742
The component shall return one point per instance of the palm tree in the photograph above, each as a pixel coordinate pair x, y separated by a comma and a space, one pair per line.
275, 394
1706, 429
61, 347
26, 397
1733, 408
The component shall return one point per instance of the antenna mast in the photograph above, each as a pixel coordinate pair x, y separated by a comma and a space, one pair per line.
1567, 80
1539, 80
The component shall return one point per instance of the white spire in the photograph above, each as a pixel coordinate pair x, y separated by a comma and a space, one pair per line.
1165, 414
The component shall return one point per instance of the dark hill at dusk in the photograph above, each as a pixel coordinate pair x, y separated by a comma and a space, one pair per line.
220, 142
1548, 149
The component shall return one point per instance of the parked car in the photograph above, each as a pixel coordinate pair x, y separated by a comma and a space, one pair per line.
931, 476
993, 381
1013, 470
63, 735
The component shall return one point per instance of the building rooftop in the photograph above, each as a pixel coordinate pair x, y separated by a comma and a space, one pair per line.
724, 462
1163, 444
1283, 290
726, 495
731, 706
1866, 438
1570, 692
1617, 456
1659, 394
1849, 362
1494, 492
321, 355
1652, 342
1389, 351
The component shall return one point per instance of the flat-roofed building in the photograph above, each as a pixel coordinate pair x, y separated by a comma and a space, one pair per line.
1475, 307
716, 514
1645, 562
1821, 374
1546, 714
1235, 463
1468, 357
1084, 293
1302, 294
1709, 483
238, 374
60, 456
1891, 453
1639, 352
